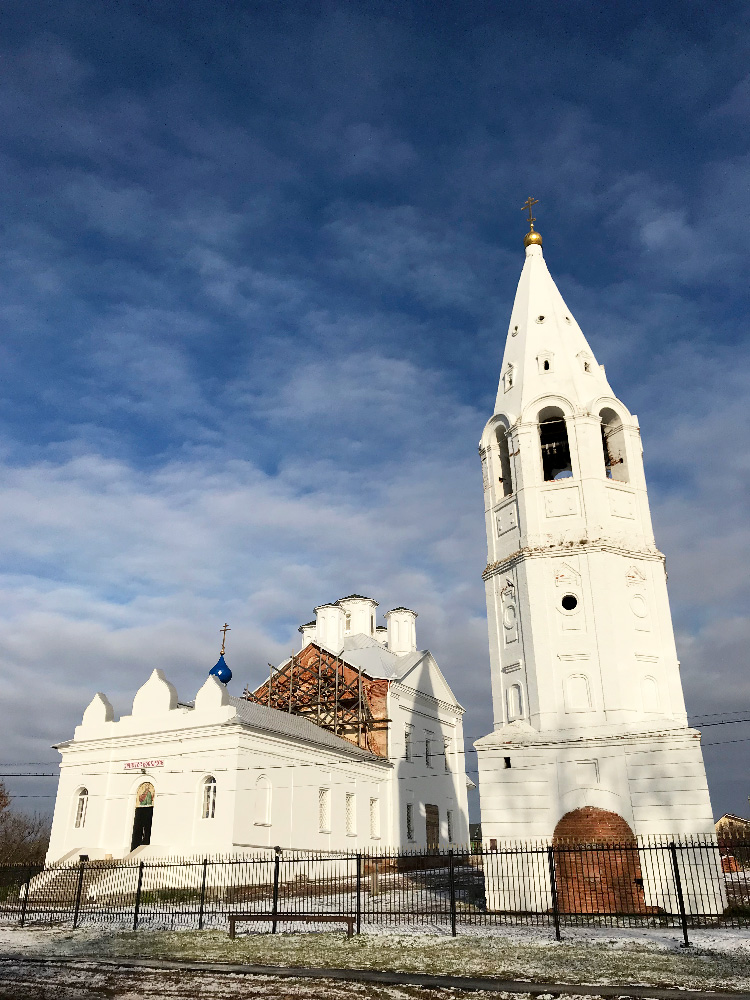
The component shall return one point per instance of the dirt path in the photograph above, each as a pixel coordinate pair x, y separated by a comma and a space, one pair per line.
131, 979
23, 980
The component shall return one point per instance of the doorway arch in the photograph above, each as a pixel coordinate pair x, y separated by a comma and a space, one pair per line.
143, 815
597, 864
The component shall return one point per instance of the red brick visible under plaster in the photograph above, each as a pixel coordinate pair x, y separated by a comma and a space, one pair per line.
607, 877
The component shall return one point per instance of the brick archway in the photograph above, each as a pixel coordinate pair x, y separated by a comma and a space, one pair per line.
597, 867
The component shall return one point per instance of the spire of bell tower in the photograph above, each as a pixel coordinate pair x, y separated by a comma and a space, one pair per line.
545, 350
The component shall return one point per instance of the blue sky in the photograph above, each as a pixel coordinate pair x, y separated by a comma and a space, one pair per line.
255, 275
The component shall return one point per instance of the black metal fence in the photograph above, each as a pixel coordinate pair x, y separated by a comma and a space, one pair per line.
686, 884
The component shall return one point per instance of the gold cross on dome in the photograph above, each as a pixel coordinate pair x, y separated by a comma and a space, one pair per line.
528, 204
224, 637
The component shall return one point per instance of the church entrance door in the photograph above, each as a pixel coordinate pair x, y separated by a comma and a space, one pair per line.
144, 814
432, 819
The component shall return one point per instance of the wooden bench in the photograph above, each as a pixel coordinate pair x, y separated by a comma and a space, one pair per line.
310, 918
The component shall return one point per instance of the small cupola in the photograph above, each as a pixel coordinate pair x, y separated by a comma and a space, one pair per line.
402, 631
220, 670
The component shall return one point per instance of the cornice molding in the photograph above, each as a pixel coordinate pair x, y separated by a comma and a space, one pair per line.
569, 548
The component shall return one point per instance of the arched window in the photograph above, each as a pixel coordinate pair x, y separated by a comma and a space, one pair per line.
208, 808
514, 698
262, 801
82, 802
348, 621
577, 693
650, 694
553, 440
613, 446
506, 475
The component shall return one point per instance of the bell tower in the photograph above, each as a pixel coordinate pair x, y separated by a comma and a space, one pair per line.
588, 706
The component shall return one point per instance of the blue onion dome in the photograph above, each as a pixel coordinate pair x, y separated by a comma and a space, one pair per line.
221, 671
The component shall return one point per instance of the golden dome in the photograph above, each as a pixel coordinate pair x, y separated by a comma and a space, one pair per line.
532, 238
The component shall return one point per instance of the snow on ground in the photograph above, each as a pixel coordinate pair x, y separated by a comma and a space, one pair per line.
25, 982
718, 959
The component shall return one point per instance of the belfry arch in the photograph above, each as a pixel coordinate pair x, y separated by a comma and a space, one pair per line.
503, 451
554, 444
613, 446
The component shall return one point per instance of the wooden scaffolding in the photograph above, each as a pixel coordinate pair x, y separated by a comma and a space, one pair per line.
336, 696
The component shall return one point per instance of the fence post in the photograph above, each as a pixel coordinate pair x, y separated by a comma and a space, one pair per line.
680, 899
203, 895
359, 894
137, 909
26, 896
275, 911
79, 889
553, 887
452, 884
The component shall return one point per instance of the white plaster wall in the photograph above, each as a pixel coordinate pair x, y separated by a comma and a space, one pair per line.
419, 784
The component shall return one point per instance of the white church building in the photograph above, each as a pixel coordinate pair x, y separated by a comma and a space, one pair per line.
353, 744
591, 739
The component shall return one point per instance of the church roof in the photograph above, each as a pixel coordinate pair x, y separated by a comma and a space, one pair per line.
365, 653
271, 720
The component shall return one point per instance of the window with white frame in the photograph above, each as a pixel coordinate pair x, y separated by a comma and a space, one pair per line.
408, 743
351, 814
324, 810
449, 817
208, 807
82, 802
348, 622
446, 753
410, 821
375, 819
428, 749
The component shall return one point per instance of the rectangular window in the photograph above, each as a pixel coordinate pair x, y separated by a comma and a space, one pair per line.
428, 749
324, 810
449, 816
409, 821
351, 814
375, 819
407, 743
446, 752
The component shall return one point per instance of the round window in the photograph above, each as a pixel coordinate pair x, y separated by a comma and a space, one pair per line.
569, 602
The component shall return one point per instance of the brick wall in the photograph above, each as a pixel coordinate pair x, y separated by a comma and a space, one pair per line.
597, 867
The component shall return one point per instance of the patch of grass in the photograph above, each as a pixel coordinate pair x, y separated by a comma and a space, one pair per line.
151, 896
605, 961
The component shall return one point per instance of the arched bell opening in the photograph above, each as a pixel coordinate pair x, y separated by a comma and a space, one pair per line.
503, 450
597, 864
613, 446
553, 441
